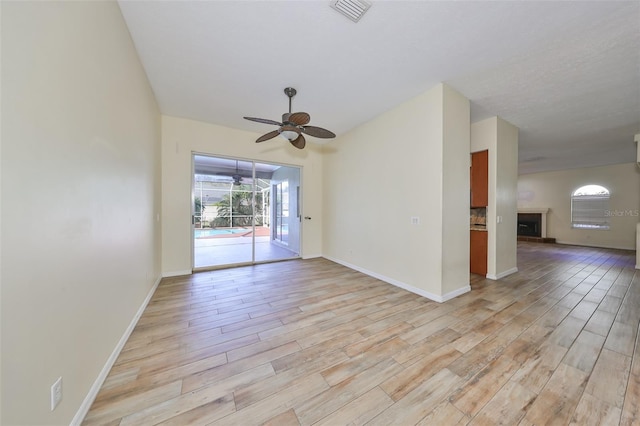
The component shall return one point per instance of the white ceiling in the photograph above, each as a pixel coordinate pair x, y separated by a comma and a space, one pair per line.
566, 73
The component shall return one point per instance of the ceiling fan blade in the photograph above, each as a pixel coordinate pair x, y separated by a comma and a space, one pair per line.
263, 120
299, 118
268, 136
299, 142
317, 132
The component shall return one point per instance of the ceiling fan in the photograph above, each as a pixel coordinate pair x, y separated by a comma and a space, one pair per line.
237, 177
293, 126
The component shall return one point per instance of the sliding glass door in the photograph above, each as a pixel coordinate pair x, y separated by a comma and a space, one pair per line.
242, 212
284, 206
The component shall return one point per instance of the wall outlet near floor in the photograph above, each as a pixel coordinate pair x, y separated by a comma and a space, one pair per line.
415, 220
56, 393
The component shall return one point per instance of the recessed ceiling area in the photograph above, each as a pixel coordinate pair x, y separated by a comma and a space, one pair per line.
567, 74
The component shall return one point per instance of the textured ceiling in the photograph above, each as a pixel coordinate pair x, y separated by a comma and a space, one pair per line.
566, 73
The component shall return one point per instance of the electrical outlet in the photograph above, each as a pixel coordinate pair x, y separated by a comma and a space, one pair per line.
415, 220
56, 393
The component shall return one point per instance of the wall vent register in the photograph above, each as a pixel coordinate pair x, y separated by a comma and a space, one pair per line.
352, 9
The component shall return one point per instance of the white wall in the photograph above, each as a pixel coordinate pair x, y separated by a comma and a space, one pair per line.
386, 171
455, 190
553, 190
506, 199
1, 133
181, 137
501, 139
80, 135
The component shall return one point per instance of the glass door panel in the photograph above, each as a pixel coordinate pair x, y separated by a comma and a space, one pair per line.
223, 212
283, 240
242, 212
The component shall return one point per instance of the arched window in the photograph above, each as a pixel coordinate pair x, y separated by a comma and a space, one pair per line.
590, 207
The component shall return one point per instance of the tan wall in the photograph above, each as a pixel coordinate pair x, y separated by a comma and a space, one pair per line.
80, 135
455, 191
506, 198
181, 137
381, 174
553, 190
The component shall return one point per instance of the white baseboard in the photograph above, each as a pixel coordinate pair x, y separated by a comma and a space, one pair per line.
569, 243
412, 289
502, 274
97, 384
311, 256
456, 293
177, 273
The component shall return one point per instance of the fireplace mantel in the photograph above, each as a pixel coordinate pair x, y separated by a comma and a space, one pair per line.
532, 210
543, 213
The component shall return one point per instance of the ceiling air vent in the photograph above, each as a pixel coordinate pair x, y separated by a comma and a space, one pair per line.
352, 9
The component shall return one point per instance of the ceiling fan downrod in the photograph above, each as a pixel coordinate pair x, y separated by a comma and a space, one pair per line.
290, 92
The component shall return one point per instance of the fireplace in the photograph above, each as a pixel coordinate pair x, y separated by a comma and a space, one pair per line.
530, 224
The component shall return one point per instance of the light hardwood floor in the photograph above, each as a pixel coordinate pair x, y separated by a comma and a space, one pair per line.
312, 342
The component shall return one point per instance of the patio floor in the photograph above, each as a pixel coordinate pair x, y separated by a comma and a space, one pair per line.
230, 250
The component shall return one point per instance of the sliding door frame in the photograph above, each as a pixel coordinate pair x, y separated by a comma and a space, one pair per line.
253, 162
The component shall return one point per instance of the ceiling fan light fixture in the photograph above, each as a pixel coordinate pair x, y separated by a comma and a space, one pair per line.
289, 132
289, 135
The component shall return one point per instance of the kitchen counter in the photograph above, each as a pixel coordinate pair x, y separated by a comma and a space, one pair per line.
478, 228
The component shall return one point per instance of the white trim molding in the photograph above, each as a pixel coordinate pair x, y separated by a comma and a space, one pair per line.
607, 246
502, 274
405, 286
311, 256
97, 384
177, 273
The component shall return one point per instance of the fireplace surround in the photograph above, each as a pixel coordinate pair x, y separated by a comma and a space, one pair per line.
532, 225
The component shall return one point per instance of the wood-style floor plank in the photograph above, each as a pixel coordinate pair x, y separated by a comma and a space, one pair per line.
311, 342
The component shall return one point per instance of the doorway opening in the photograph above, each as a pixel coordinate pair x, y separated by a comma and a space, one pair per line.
244, 212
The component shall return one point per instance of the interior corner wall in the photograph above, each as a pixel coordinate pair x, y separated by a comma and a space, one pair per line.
378, 177
553, 190
80, 197
501, 139
181, 138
